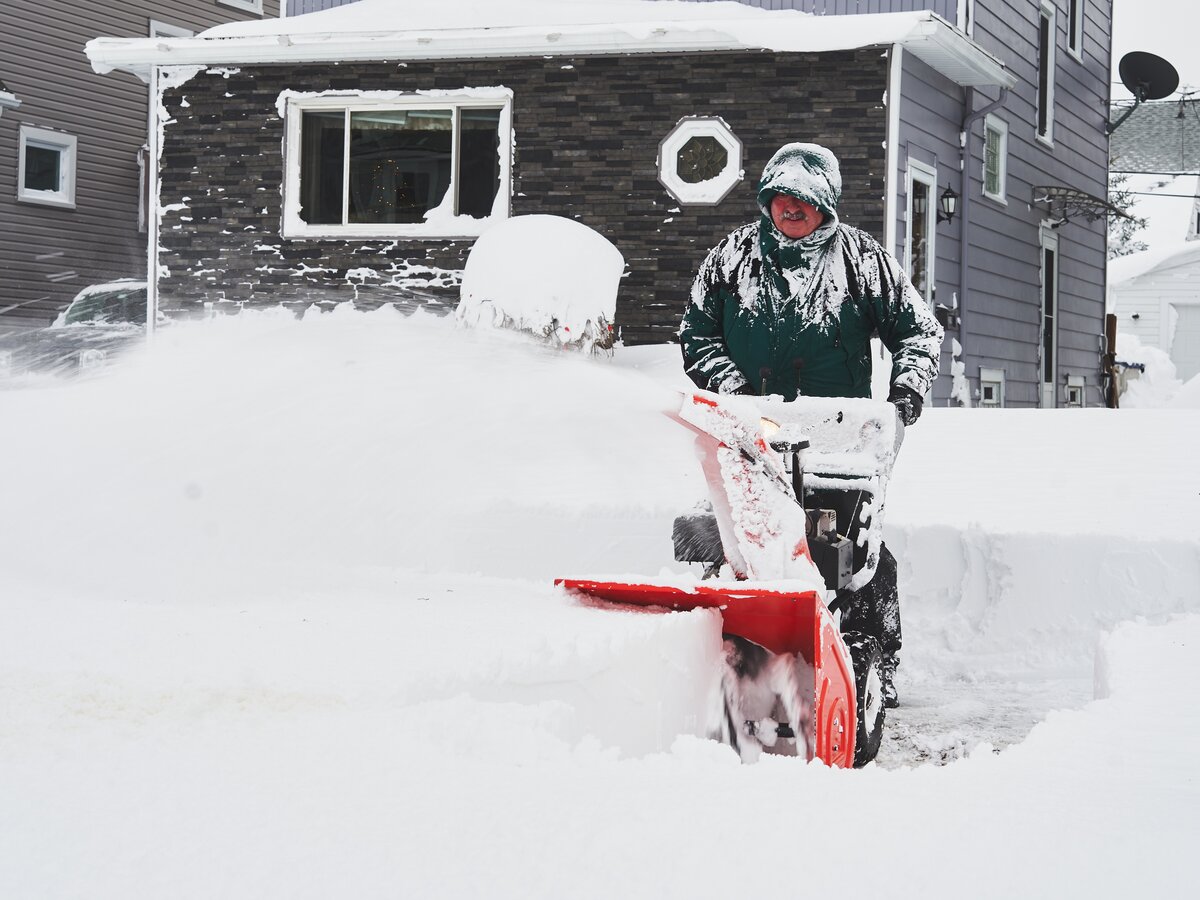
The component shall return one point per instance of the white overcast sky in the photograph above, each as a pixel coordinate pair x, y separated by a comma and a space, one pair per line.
1167, 28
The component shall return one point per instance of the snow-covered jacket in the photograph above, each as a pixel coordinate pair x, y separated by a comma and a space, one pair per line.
796, 316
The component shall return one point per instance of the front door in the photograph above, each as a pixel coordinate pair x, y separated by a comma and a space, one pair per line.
1049, 354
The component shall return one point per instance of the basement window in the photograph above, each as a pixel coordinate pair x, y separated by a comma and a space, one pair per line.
46, 167
1075, 392
381, 164
991, 388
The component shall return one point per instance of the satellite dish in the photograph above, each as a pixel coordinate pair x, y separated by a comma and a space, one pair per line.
1147, 76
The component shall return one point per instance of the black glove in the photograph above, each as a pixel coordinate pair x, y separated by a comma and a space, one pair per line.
745, 389
908, 403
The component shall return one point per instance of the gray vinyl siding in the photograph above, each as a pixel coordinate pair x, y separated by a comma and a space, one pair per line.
43, 63
299, 7
947, 9
944, 8
931, 113
1002, 309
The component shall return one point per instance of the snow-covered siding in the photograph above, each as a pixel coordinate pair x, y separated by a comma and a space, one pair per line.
930, 118
586, 136
47, 253
1002, 308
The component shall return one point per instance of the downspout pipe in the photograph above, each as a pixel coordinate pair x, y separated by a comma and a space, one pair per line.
152, 205
964, 140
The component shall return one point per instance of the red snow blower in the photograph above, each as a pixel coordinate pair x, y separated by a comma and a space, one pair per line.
795, 524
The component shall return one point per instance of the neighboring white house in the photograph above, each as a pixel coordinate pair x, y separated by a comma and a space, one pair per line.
1156, 297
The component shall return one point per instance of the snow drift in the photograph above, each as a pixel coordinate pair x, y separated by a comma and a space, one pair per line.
278, 621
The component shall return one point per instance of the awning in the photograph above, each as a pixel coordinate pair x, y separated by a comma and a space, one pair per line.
1065, 203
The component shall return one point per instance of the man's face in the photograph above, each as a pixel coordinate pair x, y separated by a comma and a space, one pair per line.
795, 218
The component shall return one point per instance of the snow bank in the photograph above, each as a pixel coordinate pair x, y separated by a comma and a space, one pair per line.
278, 622
552, 277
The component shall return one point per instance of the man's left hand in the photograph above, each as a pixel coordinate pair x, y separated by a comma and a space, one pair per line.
908, 403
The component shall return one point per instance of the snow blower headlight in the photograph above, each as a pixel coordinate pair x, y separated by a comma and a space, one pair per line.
785, 439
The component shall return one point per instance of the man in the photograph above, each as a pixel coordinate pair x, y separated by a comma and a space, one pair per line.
788, 305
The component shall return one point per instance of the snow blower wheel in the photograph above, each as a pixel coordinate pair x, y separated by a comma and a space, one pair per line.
868, 686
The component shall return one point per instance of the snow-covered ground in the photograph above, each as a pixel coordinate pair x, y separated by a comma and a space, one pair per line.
277, 621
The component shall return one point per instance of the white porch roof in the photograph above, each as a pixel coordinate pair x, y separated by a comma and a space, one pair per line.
373, 30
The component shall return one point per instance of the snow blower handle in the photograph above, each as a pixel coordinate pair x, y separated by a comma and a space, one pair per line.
764, 373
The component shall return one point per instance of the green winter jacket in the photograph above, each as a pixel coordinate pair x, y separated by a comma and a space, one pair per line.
795, 317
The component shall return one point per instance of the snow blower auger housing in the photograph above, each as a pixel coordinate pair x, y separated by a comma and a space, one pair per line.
795, 514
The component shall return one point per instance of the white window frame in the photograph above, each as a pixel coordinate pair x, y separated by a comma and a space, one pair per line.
966, 17
992, 123
67, 146
167, 30
927, 175
715, 189
251, 6
1075, 28
991, 378
441, 227
1049, 11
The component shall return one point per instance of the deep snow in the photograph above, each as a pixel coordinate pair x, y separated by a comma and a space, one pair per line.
278, 622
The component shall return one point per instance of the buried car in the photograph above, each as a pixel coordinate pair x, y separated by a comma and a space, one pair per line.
100, 321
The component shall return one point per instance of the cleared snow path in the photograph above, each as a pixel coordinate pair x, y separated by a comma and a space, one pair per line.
277, 621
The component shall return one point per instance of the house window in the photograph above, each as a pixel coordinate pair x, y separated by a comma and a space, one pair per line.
995, 158
47, 167
991, 388
922, 206
166, 30
700, 161
1049, 315
1045, 94
1075, 392
392, 165
1075, 27
254, 6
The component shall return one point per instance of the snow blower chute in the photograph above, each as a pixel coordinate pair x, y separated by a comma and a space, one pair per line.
795, 524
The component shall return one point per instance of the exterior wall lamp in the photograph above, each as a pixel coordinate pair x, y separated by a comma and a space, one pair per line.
947, 205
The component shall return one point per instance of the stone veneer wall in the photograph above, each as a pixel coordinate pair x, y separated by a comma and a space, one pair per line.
587, 131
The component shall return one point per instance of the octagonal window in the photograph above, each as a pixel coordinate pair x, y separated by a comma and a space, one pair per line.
702, 158
700, 161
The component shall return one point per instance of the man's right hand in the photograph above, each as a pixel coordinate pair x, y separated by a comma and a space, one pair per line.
908, 403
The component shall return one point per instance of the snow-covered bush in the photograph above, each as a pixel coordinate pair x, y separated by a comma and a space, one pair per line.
546, 275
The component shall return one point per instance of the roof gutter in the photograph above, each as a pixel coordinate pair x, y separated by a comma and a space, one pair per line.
8, 100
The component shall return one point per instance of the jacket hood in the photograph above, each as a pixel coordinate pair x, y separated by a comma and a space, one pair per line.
806, 171
810, 173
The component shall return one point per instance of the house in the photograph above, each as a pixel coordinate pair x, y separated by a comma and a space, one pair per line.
356, 152
1156, 297
1155, 294
71, 145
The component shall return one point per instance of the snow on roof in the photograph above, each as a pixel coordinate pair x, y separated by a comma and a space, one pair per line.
1127, 268
450, 29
